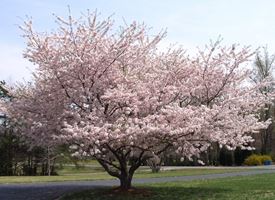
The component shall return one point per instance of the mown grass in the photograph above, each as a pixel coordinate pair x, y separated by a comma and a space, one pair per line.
257, 187
70, 173
183, 172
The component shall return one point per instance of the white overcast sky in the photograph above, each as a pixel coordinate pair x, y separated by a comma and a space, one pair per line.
189, 23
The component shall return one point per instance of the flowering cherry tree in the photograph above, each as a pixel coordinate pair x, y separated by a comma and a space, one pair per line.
114, 96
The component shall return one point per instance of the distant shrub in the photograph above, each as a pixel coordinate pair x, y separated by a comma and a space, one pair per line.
265, 158
255, 159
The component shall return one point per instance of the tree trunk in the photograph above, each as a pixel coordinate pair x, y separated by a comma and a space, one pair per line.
120, 169
125, 181
49, 167
48, 162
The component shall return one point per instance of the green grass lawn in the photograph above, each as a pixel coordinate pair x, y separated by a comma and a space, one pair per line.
257, 187
96, 173
183, 172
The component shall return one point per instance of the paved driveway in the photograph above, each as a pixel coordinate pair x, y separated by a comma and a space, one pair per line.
53, 190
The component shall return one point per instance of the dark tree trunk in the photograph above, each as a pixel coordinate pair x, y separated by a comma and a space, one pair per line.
125, 182
121, 169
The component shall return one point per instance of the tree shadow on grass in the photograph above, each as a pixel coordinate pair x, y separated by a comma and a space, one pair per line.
152, 193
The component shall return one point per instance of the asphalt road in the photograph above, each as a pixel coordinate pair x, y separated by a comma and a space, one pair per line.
53, 190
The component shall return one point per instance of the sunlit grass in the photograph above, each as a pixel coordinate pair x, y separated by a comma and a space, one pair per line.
70, 173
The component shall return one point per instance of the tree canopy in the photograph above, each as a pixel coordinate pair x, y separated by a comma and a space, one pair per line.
116, 97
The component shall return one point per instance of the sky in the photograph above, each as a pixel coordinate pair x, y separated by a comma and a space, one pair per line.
191, 24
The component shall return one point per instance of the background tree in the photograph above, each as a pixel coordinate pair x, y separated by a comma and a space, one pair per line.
115, 97
6, 140
10, 146
264, 69
18, 155
36, 121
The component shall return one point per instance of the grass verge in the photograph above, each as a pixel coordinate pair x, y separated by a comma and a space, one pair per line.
256, 187
84, 174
